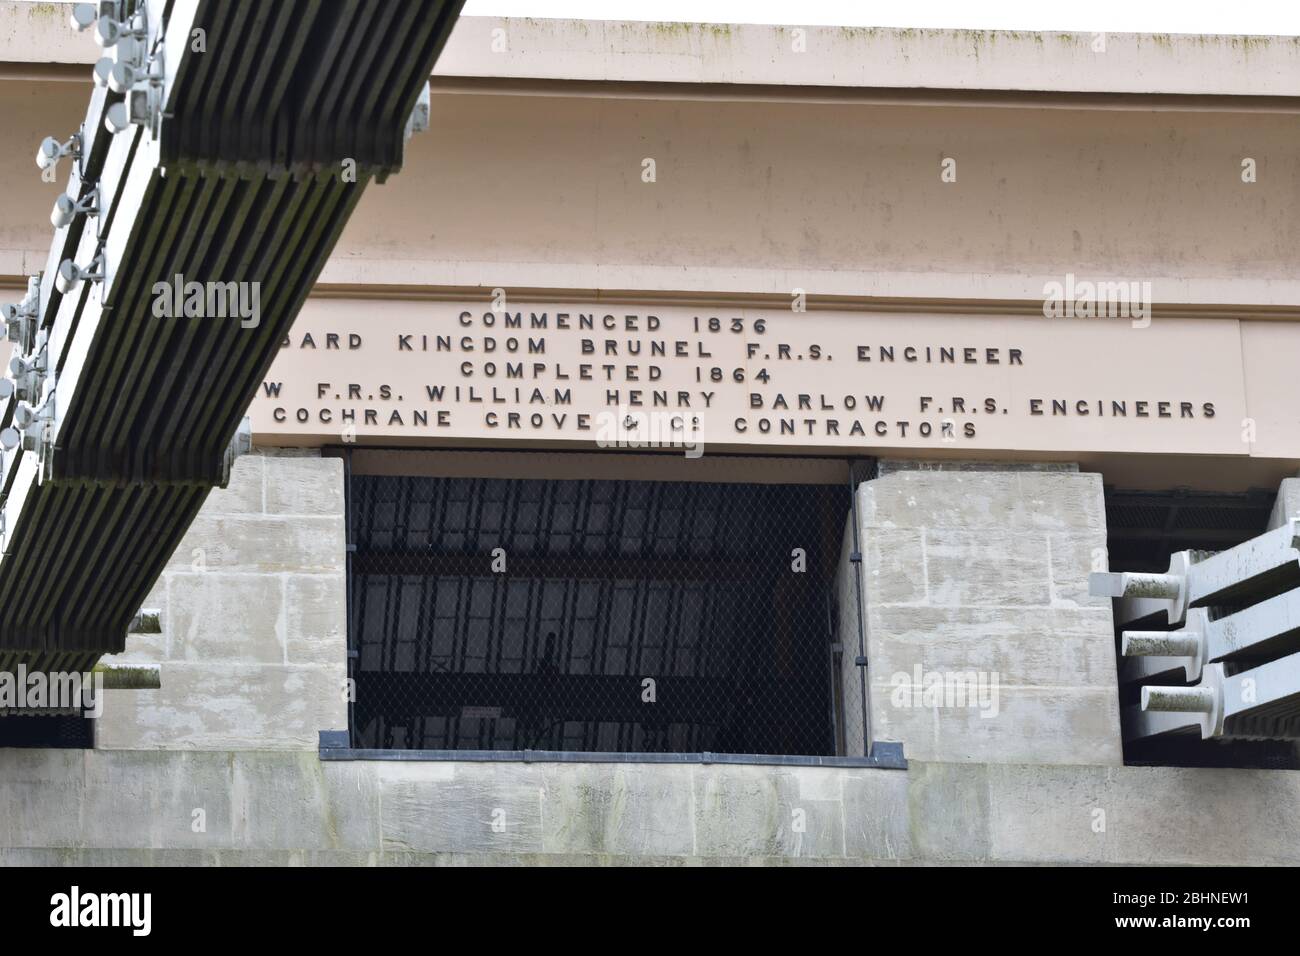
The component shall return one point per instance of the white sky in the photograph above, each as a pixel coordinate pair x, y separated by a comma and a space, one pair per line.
1278, 17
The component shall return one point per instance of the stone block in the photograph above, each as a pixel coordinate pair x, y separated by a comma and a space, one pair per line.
298, 802
1056, 814
261, 544
1014, 499
316, 613
265, 808
225, 705
948, 806
152, 798
1287, 505
214, 616
986, 567
1062, 647
304, 486
1192, 817
1057, 725
40, 813
243, 495
877, 823
1073, 558
893, 567
758, 811
624, 809
1004, 553
462, 808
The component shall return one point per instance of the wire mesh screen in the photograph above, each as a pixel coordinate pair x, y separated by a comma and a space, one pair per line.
47, 730
593, 615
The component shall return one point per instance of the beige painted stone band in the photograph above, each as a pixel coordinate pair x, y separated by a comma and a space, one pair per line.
451, 372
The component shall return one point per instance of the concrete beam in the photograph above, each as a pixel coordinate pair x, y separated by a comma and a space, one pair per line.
734, 55
1259, 568
1267, 628
1262, 701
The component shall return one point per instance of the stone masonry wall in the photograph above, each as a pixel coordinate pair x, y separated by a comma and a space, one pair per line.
1287, 505
982, 571
963, 569
253, 646
195, 807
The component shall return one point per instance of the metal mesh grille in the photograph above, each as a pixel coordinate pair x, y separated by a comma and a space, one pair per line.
1145, 527
593, 615
47, 730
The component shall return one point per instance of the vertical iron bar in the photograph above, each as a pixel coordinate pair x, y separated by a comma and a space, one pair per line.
349, 543
831, 630
862, 636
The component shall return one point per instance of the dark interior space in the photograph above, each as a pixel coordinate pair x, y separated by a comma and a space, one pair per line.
69, 731
593, 615
1144, 528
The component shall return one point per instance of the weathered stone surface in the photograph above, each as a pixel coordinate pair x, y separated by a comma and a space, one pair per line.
876, 816
886, 467
986, 567
235, 617
1030, 724
1076, 819
462, 808
243, 495
894, 564
253, 606
753, 811
190, 809
338, 807
224, 705
262, 544
303, 485
1010, 499
40, 785
137, 808
627, 809
1062, 647
982, 572
316, 609
1074, 556
174, 858
948, 807
1287, 505
1145, 815
287, 451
